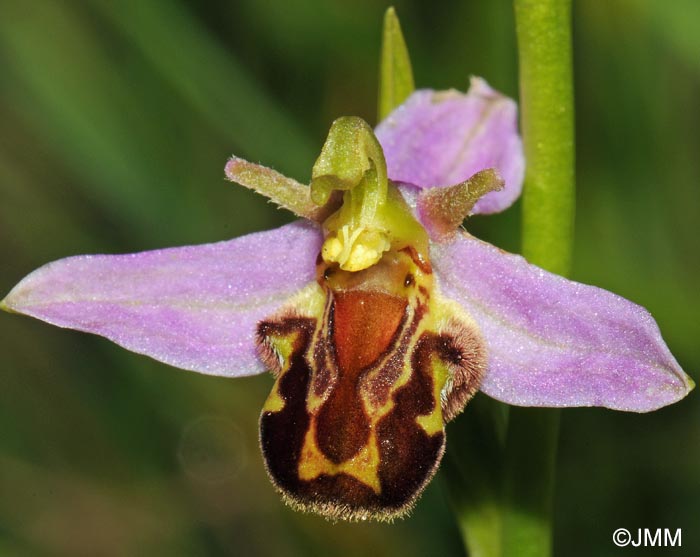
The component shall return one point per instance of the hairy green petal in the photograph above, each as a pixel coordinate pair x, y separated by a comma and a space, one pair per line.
443, 209
281, 190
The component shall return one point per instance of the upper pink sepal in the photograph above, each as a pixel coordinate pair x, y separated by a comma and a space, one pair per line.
443, 138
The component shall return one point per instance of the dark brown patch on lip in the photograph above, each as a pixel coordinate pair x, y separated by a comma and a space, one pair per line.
409, 456
322, 381
282, 433
363, 327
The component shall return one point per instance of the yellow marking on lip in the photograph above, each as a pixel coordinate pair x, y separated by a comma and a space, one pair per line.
432, 423
283, 345
364, 466
274, 402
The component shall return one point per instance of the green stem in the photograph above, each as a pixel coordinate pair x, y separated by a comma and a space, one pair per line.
546, 100
547, 108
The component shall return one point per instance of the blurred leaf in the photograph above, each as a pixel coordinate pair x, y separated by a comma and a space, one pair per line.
210, 78
474, 474
676, 24
66, 89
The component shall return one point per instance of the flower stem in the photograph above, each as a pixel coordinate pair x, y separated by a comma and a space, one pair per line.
547, 108
546, 100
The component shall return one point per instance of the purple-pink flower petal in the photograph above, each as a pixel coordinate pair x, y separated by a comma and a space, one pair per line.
554, 342
443, 138
193, 307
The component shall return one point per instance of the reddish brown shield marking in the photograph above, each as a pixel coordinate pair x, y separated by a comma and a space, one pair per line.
364, 323
362, 328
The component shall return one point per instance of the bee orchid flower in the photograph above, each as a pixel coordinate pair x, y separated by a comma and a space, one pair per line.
377, 314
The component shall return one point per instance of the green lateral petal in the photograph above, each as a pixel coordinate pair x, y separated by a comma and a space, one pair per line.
281, 190
442, 210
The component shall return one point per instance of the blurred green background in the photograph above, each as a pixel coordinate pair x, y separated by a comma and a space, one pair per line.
116, 119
